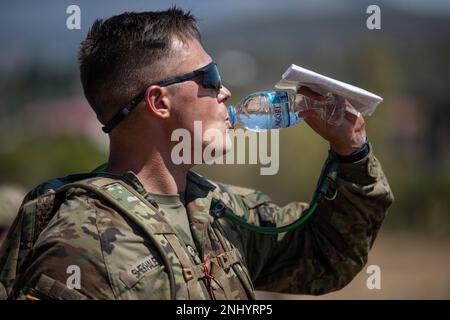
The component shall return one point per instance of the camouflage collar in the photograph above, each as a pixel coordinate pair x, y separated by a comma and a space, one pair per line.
196, 185
194, 180
197, 179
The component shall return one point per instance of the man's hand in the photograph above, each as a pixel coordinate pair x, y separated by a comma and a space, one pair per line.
345, 138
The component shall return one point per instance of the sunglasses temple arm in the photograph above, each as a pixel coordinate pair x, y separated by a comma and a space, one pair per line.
119, 116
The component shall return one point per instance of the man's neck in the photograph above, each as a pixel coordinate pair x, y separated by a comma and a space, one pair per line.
153, 167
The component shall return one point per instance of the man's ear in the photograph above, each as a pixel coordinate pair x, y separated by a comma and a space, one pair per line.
156, 98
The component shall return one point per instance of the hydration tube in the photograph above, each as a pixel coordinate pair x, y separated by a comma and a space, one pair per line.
327, 179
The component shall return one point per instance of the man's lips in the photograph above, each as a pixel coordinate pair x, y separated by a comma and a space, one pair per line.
229, 125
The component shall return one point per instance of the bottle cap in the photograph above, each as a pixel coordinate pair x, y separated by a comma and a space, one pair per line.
232, 115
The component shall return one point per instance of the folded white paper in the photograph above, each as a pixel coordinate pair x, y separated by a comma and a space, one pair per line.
363, 101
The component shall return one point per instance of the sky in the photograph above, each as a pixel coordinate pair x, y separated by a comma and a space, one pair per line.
37, 29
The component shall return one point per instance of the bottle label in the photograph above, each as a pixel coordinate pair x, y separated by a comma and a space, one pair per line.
278, 116
280, 105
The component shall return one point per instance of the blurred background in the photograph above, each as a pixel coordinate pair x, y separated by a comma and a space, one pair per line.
47, 128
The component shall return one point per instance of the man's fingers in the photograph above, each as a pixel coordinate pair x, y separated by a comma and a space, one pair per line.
311, 117
310, 94
307, 114
350, 117
355, 121
313, 120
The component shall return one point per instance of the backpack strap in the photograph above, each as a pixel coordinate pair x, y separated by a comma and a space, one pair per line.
229, 258
125, 198
191, 273
114, 191
36, 214
140, 211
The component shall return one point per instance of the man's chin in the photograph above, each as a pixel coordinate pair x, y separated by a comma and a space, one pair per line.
215, 151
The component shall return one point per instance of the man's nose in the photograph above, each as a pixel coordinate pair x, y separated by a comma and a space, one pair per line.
223, 94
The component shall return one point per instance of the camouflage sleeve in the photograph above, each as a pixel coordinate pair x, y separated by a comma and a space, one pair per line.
327, 252
66, 261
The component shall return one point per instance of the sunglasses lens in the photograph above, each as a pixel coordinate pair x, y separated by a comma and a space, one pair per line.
211, 78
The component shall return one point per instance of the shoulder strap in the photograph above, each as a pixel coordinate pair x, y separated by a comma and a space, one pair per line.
128, 201
132, 202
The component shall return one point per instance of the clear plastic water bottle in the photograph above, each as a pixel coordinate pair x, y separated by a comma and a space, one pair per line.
265, 110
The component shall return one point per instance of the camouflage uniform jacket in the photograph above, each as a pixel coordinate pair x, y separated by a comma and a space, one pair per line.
122, 247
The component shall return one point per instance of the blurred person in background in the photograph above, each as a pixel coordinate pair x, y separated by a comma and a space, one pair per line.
11, 197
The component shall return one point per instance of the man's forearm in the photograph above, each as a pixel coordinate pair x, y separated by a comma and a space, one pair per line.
332, 247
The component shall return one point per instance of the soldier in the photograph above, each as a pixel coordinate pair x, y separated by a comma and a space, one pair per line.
146, 228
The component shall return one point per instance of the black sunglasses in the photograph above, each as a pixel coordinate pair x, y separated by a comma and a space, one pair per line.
210, 80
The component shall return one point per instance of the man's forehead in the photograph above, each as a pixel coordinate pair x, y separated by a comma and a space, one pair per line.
189, 54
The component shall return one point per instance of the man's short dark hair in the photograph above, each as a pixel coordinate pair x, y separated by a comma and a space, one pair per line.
120, 55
